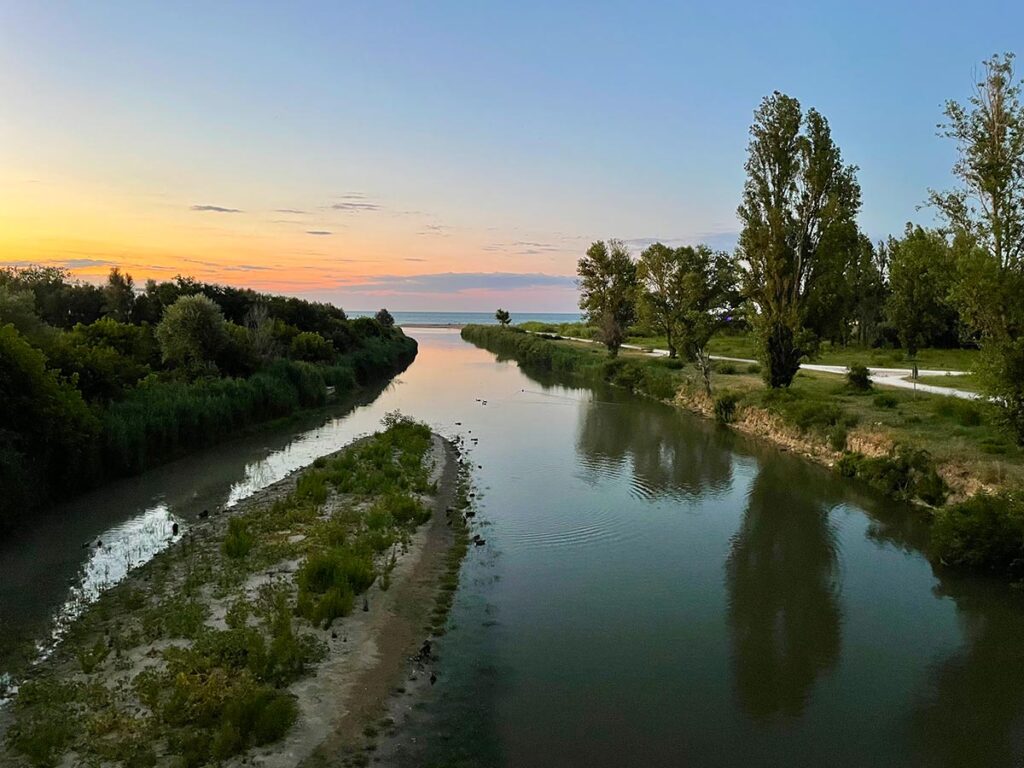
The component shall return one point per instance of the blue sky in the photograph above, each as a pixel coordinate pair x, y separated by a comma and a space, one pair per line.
420, 154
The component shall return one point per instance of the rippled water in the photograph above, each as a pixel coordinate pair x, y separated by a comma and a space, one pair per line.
654, 591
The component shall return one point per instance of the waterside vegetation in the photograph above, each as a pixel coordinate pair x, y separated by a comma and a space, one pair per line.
101, 382
194, 659
937, 452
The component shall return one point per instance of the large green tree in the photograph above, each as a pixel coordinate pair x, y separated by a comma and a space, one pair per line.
707, 297
659, 288
988, 208
797, 196
921, 273
192, 333
608, 285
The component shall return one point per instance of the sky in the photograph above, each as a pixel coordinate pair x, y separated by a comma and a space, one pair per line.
445, 155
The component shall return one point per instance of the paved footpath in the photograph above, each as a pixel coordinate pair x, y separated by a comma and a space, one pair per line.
887, 377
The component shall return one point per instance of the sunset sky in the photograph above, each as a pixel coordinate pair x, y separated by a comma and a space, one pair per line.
442, 155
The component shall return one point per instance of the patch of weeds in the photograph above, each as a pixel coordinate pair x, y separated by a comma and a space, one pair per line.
239, 540
906, 474
964, 412
725, 407
90, 658
885, 400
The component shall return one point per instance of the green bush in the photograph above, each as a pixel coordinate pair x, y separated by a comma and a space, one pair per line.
238, 541
984, 533
725, 407
726, 368
312, 487
837, 436
754, 368
906, 473
885, 400
858, 377
966, 413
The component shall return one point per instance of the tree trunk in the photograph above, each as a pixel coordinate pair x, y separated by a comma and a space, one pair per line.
703, 360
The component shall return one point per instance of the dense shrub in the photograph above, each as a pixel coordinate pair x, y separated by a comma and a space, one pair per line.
725, 407
906, 474
966, 413
238, 541
858, 377
886, 401
984, 533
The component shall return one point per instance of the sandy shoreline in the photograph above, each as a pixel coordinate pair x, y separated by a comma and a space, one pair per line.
368, 652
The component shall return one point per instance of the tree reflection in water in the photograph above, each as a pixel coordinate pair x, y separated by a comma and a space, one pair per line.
781, 574
669, 459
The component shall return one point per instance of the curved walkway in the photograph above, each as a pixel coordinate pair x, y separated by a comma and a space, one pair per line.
886, 377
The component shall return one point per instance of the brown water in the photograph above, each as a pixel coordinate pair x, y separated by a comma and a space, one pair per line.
654, 590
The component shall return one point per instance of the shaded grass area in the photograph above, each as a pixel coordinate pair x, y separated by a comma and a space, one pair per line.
970, 382
924, 442
194, 655
743, 345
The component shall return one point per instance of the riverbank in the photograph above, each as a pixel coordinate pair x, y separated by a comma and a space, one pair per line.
935, 452
266, 631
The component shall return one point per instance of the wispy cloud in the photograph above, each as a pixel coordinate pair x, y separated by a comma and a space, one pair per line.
318, 232
215, 209
290, 210
355, 206
354, 202
459, 282
438, 230
724, 240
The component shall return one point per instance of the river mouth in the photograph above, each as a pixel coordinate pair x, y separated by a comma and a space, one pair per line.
653, 590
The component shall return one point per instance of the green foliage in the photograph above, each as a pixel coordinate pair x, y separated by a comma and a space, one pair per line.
921, 273
858, 377
384, 319
799, 210
885, 400
987, 213
239, 541
837, 437
688, 294
608, 284
311, 347
907, 474
503, 317
966, 413
47, 432
984, 533
47, 720
192, 333
328, 581
725, 407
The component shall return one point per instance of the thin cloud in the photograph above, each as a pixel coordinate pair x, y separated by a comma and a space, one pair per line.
318, 232
355, 206
215, 209
459, 282
439, 230
290, 210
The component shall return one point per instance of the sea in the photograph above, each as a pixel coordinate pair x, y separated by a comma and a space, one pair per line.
467, 318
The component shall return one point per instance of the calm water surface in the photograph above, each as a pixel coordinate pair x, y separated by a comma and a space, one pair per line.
654, 591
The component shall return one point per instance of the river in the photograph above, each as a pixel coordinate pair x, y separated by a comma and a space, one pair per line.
654, 591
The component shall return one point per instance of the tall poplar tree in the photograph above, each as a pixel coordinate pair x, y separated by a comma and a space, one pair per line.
798, 194
988, 209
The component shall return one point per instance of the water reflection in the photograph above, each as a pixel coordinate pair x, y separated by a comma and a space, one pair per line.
972, 712
783, 612
667, 458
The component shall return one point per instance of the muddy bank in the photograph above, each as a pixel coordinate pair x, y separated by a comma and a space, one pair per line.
203, 653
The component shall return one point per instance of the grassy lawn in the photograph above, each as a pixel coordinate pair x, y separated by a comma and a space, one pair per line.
971, 382
742, 345
962, 433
